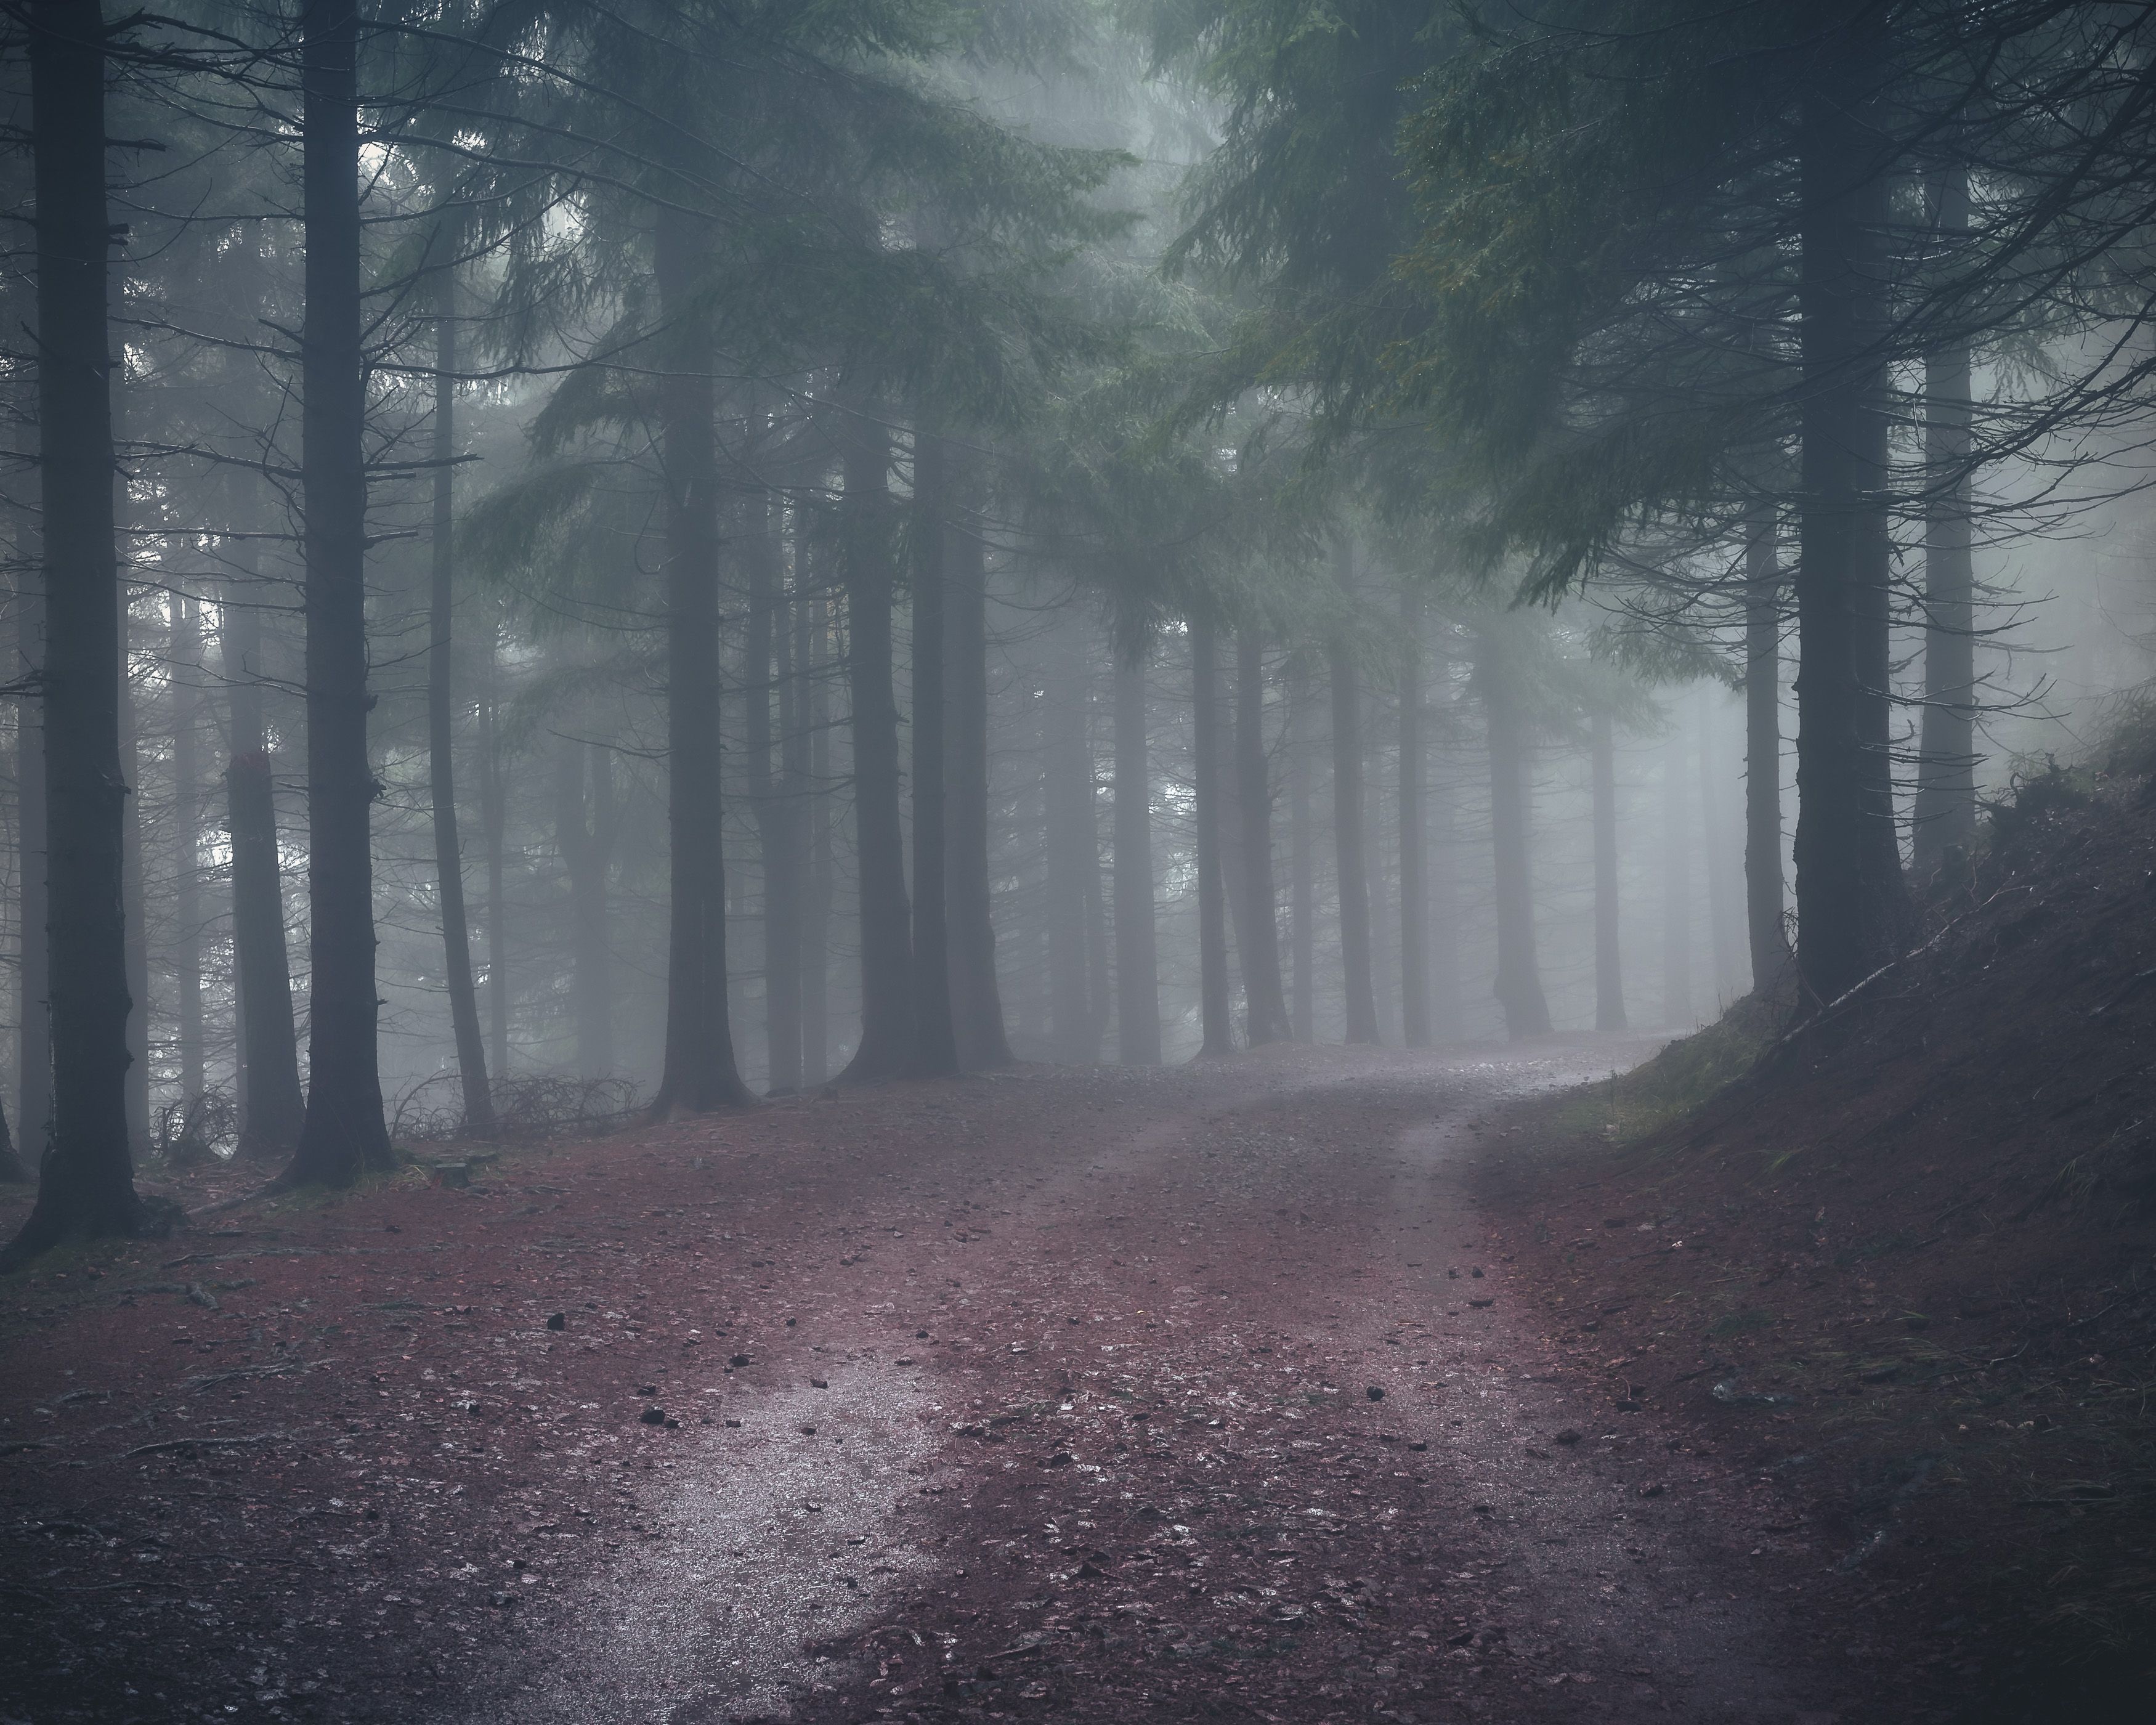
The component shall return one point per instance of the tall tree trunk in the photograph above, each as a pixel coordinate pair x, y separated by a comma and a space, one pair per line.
700, 1072
89, 1182
786, 849
186, 680
1414, 890
1767, 934
1257, 934
1138, 959
1303, 860
1945, 812
1219, 1036
814, 642
976, 997
1850, 898
765, 652
441, 711
1445, 1025
1609, 974
1519, 986
935, 1029
33, 1040
885, 1049
584, 816
133, 900
271, 1106
344, 1134
1073, 848
1351, 860
1677, 1011
493, 838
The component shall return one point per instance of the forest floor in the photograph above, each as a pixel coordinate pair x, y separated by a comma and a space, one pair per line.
1230, 1391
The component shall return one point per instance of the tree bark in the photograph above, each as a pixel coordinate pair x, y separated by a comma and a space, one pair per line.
1609, 974
89, 1185
1302, 861
887, 1047
813, 652
271, 1104
441, 669
1415, 890
1518, 987
1767, 934
1850, 898
1218, 1035
1945, 811
1257, 934
1137, 958
700, 1072
1352, 862
977, 997
185, 680
934, 1030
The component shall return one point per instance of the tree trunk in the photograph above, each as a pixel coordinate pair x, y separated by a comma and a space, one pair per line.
1714, 856
185, 680
33, 1040
89, 1185
271, 1106
494, 833
1257, 934
1138, 959
1352, 863
1519, 987
976, 997
1609, 975
1851, 898
1676, 890
1414, 890
1767, 934
448, 853
1945, 812
1219, 1036
765, 652
583, 833
934, 1030
885, 1049
700, 1072
814, 641
1302, 861
1444, 1002
133, 900
1073, 846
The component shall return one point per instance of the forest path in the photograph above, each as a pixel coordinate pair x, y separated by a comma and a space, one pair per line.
1134, 1469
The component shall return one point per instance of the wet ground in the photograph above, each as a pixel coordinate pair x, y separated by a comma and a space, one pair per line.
1098, 1395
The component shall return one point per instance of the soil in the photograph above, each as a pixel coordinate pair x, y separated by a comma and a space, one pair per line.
1062, 1394
1906, 1265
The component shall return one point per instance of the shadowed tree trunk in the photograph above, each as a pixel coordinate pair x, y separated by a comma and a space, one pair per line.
441, 711
130, 887
584, 832
34, 1045
1764, 891
1219, 1037
1137, 962
1352, 863
1850, 898
1302, 861
271, 1106
1414, 889
885, 1049
699, 1072
1945, 812
767, 653
1257, 932
976, 996
1609, 975
1519, 987
935, 1033
1677, 1011
344, 1135
813, 643
88, 1182
185, 680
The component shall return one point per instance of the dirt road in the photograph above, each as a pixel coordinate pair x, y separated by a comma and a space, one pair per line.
1098, 1395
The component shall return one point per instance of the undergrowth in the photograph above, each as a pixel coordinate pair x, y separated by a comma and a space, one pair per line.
1633, 1109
